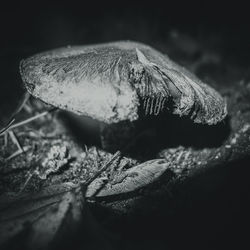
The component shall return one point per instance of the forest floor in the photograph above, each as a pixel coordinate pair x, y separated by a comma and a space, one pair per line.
198, 197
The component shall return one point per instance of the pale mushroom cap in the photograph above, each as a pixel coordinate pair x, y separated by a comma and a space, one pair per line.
109, 82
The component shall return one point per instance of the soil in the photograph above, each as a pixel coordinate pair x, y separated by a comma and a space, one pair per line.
201, 199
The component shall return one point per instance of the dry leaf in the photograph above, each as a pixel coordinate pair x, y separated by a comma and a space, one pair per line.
130, 180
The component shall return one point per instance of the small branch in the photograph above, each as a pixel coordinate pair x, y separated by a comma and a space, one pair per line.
15, 140
5, 139
3, 130
19, 108
10, 126
22, 104
30, 175
116, 156
18, 152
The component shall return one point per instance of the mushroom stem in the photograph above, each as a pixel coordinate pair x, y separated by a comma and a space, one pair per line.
117, 136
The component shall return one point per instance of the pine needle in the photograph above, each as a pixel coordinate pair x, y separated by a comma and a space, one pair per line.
17, 153
116, 156
12, 126
15, 140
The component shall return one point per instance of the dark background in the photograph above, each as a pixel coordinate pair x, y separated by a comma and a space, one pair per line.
46, 24
30, 27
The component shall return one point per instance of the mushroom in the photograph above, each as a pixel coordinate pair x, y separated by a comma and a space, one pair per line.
119, 81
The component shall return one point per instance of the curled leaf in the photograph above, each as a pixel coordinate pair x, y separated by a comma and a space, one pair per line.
130, 180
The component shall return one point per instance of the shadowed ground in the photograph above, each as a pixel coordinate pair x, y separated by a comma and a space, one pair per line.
207, 210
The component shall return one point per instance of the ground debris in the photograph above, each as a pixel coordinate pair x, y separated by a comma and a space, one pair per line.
57, 157
51, 219
48, 173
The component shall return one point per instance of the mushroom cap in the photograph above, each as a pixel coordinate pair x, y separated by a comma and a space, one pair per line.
110, 82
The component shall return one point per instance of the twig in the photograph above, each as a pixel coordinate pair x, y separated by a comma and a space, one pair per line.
5, 139
27, 108
18, 152
28, 120
30, 175
19, 108
22, 104
15, 140
83, 185
116, 156
3, 130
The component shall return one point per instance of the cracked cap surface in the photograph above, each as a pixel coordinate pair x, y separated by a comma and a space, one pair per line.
111, 81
